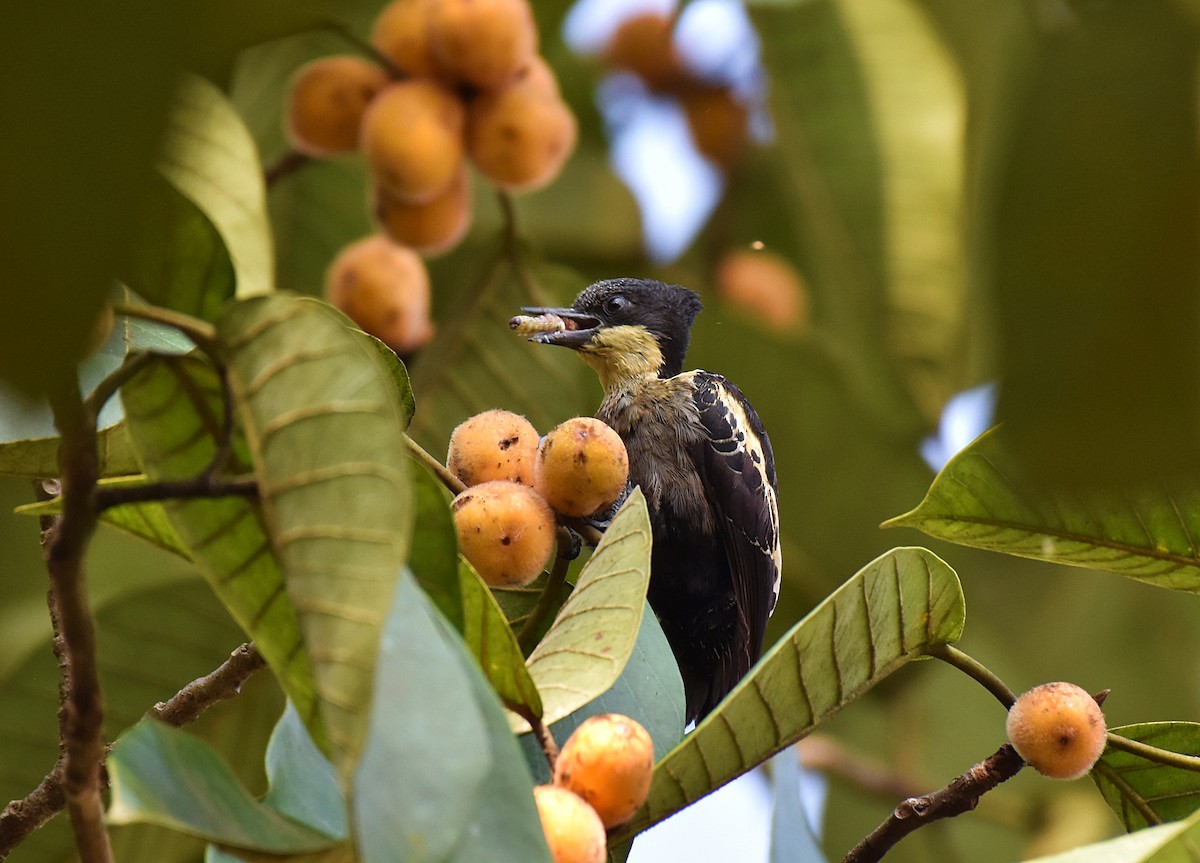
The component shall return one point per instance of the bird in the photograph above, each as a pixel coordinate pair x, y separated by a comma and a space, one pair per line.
698, 450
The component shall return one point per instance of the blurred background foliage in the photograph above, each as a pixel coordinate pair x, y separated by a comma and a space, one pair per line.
971, 192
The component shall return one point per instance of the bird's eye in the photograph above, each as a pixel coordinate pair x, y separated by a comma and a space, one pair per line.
615, 305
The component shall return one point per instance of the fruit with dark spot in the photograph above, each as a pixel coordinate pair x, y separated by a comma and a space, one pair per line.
506, 530
483, 43
608, 761
412, 139
326, 103
1058, 728
431, 227
519, 137
495, 444
581, 467
573, 830
384, 288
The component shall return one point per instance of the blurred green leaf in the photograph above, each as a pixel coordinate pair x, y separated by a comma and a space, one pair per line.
492, 642
593, 635
518, 603
428, 751
339, 517
1167, 843
175, 409
211, 159
792, 837
649, 690
162, 775
890, 612
434, 557
1141, 792
985, 498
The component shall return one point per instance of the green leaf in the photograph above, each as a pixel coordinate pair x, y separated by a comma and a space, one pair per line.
649, 690
174, 409
303, 785
1143, 792
434, 558
792, 838
397, 374
324, 426
492, 642
161, 775
892, 611
428, 751
518, 603
211, 159
593, 635
984, 498
1167, 843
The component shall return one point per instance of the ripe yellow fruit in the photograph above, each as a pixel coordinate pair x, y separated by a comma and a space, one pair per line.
432, 227
643, 44
495, 444
401, 34
581, 467
483, 43
765, 285
506, 530
326, 103
384, 288
719, 123
1058, 728
537, 75
573, 830
519, 137
608, 761
412, 139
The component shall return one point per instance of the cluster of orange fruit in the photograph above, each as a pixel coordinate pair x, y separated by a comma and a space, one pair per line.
601, 778
457, 81
516, 482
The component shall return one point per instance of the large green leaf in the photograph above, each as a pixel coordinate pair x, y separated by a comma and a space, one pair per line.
892, 611
210, 157
174, 409
434, 558
984, 498
1167, 843
494, 646
1144, 792
593, 635
161, 775
324, 425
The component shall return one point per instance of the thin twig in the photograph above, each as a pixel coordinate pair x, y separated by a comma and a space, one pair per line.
953, 656
83, 740
548, 601
512, 246
544, 736
21, 817
1153, 753
108, 387
222, 683
961, 795
201, 486
199, 331
288, 163
449, 480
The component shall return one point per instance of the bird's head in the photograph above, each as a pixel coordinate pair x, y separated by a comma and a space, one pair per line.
627, 328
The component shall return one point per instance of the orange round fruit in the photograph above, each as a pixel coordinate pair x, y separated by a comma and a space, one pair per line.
581, 467
506, 530
432, 227
573, 830
384, 288
495, 444
412, 139
401, 34
608, 761
719, 123
519, 137
644, 45
765, 285
482, 43
326, 103
1058, 728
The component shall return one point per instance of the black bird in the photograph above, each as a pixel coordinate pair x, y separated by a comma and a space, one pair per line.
699, 452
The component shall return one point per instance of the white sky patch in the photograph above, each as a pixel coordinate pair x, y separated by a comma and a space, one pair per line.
965, 417
590, 23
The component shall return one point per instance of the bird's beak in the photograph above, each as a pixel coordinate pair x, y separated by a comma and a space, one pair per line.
581, 328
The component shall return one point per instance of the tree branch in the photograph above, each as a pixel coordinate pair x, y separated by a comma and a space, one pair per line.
82, 736
953, 656
449, 480
961, 795
288, 163
201, 486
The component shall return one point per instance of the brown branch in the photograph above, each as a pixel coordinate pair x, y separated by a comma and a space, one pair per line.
288, 163
544, 736
823, 753
82, 738
222, 683
201, 486
961, 795
21, 817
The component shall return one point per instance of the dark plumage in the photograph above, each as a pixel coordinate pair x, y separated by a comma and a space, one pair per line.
699, 452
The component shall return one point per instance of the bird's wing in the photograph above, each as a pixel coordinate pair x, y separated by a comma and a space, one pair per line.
738, 467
